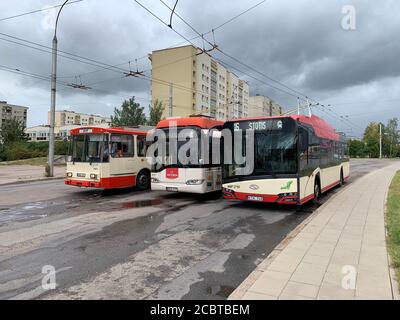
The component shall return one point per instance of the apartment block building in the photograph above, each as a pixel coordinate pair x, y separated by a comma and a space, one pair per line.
11, 111
197, 83
42, 132
261, 106
69, 118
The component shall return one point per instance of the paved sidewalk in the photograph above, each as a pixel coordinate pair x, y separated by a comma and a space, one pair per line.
24, 173
344, 240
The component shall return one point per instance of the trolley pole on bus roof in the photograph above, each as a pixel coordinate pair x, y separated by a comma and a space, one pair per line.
170, 106
298, 106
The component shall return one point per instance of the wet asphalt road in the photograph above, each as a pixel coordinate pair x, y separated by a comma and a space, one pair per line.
136, 245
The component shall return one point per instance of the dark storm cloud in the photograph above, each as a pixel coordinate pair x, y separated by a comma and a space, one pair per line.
300, 43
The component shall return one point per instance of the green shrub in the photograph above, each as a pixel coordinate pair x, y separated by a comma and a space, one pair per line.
61, 148
27, 150
20, 151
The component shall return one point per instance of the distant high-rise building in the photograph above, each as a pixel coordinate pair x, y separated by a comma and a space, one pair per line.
199, 85
261, 106
11, 111
69, 118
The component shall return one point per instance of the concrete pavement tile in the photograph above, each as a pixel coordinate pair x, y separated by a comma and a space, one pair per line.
321, 249
270, 283
249, 295
371, 293
309, 273
330, 291
344, 257
282, 266
288, 297
300, 289
309, 258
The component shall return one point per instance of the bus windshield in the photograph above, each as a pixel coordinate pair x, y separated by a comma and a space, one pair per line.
191, 133
89, 148
275, 147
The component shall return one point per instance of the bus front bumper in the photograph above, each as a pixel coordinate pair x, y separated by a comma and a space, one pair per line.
83, 183
283, 198
179, 187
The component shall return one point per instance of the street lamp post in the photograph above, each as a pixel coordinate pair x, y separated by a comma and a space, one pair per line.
53, 96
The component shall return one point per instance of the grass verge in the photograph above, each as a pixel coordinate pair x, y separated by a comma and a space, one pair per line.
393, 223
33, 162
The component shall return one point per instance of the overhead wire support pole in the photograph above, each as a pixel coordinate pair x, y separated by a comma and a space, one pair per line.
170, 113
50, 172
380, 140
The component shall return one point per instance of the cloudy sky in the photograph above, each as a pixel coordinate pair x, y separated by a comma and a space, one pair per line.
303, 44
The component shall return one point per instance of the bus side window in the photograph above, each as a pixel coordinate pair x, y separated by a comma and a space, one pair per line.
122, 146
303, 147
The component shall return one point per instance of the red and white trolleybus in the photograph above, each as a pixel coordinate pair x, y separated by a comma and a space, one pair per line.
108, 158
199, 175
296, 158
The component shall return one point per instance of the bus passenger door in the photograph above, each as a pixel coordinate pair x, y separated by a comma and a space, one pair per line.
122, 155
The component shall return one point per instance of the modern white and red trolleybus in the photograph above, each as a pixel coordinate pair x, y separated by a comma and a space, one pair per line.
296, 158
108, 158
198, 176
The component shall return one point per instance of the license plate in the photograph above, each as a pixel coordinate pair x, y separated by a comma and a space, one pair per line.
171, 189
81, 175
253, 198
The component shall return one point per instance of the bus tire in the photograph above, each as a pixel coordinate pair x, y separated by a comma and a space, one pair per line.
143, 180
317, 191
341, 183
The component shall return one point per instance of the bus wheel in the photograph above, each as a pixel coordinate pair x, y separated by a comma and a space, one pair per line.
341, 178
317, 193
143, 180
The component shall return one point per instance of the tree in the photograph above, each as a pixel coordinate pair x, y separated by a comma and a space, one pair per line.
130, 114
12, 131
156, 112
356, 148
392, 138
371, 140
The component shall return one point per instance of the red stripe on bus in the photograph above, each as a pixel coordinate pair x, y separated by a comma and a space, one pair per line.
332, 185
105, 183
306, 199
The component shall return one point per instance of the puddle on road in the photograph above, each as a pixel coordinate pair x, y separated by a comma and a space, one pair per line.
141, 203
221, 291
39, 210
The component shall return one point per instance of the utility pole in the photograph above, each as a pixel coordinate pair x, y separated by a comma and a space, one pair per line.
380, 140
50, 172
170, 100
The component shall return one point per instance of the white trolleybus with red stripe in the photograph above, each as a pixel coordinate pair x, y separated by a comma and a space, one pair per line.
108, 158
296, 159
193, 138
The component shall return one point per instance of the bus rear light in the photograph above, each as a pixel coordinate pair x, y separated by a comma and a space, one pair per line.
195, 182
69, 174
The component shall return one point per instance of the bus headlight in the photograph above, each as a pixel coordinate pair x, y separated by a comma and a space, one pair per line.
195, 182
93, 176
69, 174
155, 180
